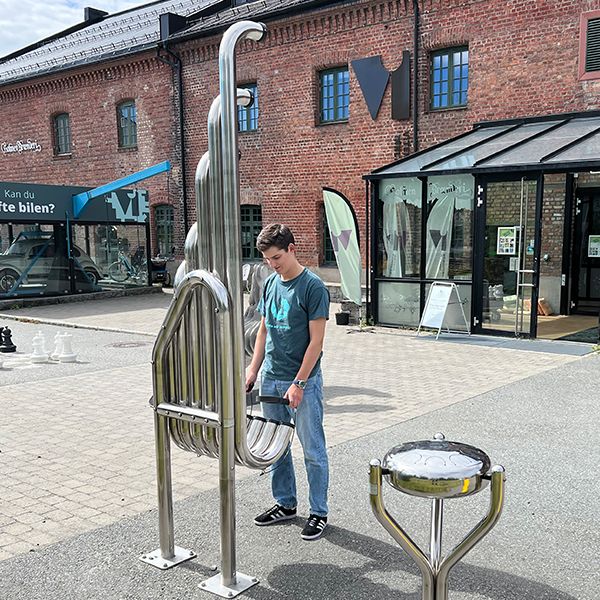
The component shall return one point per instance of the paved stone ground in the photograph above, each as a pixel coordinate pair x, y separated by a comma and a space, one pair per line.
543, 429
77, 442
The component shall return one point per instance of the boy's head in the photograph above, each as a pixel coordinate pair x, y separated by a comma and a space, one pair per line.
278, 247
275, 235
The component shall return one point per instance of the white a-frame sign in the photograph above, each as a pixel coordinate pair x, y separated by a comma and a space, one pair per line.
444, 310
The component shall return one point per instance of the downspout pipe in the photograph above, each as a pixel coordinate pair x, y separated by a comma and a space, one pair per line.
175, 64
416, 77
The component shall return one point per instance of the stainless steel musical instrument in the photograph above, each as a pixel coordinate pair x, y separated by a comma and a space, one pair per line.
199, 396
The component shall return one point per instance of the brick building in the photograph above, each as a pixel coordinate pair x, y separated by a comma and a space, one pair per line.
123, 75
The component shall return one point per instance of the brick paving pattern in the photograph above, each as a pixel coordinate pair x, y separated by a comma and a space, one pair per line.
77, 452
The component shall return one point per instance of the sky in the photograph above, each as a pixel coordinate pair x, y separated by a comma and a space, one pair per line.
23, 22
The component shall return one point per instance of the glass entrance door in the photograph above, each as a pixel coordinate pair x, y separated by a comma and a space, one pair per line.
507, 258
586, 252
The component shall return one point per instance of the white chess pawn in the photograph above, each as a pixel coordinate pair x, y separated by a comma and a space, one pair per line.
38, 356
66, 355
58, 338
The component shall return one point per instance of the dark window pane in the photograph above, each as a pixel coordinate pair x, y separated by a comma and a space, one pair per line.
127, 124
164, 223
449, 78
328, 253
62, 134
335, 95
248, 116
251, 224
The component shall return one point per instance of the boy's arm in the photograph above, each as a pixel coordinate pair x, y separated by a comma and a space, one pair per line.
316, 330
257, 357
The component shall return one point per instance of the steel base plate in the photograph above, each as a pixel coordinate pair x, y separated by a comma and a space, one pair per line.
155, 558
214, 585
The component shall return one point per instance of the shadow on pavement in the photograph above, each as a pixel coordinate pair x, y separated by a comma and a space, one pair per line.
367, 406
342, 583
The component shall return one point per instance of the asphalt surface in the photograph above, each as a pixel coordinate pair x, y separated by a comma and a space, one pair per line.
543, 429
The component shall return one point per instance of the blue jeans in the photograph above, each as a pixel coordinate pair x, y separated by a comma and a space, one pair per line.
308, 418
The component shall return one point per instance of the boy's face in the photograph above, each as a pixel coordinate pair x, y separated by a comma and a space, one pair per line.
282, 261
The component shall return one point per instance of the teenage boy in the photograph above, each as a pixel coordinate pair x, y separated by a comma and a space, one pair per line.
294, 308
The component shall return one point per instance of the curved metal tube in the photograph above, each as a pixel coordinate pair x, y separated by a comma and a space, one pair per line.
403, 539
478, 532
231, 221
194, 279
207, 438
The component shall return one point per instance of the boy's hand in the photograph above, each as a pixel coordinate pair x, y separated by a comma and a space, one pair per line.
294, 395
251, 376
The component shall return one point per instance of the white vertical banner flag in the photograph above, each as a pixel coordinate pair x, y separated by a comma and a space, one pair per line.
343, 230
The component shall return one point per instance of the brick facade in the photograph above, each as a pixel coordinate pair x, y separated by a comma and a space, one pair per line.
524, 61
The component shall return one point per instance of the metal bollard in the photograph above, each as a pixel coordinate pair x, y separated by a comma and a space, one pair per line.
439, 470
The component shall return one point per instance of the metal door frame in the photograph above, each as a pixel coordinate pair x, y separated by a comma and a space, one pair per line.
576, 251
481, 185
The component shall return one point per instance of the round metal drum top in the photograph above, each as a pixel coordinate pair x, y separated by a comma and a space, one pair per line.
436, 468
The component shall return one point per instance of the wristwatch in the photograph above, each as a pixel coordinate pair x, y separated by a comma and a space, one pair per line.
301, 383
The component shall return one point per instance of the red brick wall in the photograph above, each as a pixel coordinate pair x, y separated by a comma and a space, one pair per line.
91, 99
523, 62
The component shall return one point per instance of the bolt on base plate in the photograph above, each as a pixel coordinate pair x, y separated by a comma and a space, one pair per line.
214, 585
155, 558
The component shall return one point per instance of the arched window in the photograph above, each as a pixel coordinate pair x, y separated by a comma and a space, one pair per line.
164, 218
61, 133
127, 124
251, 226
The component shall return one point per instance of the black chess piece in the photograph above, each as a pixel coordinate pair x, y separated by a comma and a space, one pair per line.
7, 344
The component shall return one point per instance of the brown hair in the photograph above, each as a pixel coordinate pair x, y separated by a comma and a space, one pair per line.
277, 235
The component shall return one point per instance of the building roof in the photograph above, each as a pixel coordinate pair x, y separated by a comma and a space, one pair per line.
252, 10
105, 37
554, 143
112, 36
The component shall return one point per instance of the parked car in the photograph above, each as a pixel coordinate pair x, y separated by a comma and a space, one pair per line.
16, 259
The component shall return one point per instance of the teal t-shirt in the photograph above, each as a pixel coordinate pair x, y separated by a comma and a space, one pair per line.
287, 307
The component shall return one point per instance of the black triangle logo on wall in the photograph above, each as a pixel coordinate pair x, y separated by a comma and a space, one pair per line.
373, 78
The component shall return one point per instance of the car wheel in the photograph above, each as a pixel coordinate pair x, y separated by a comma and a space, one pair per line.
8, 278
93, 276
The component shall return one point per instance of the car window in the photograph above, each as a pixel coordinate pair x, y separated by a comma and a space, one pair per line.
46, 251
16, 249
76, 252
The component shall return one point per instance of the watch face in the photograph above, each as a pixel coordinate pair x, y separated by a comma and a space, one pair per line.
300, 383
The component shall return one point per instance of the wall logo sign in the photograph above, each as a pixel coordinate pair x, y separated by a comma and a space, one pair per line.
20, 146
134, 207
29, 202
373, 79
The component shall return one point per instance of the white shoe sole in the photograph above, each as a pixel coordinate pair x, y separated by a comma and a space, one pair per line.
313, 537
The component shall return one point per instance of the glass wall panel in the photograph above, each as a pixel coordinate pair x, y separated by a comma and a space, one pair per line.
36, 262
509, 249
450, 227
112, 255
398, 303
399, 228
4, 237
464, 291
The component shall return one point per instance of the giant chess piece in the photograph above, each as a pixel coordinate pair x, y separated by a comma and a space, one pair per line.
58, 343
39, 355
7, 344
66, 355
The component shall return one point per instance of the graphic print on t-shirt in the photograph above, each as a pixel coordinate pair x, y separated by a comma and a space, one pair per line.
281, 313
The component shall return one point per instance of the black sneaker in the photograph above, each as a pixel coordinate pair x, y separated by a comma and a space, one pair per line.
275, 515
314, 528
